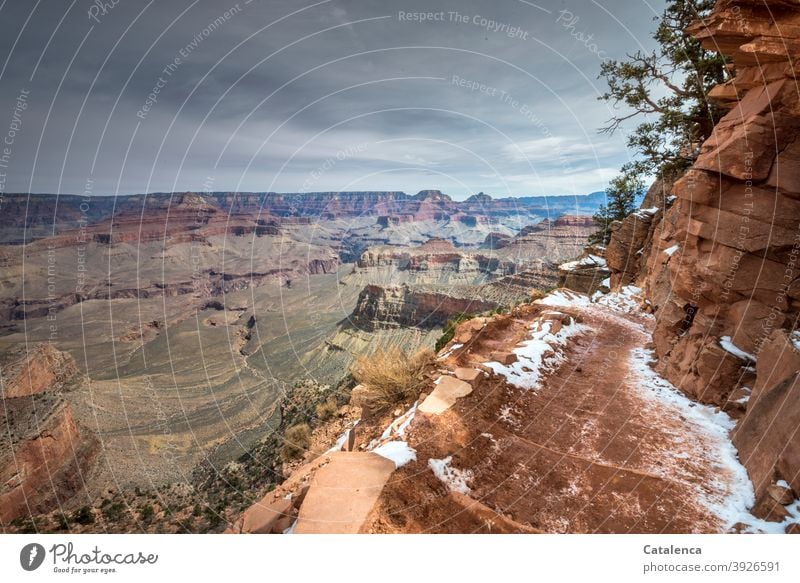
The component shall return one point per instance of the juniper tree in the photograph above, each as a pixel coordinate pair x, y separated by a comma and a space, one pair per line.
667, 88
621, 201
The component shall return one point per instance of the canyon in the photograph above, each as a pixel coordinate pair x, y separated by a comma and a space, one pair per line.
184, 319
189, 362
658, 394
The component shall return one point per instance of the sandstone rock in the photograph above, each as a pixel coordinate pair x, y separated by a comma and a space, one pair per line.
444, 395
297, 499
261, 518
503, 357
467, 374
44, 368
792, 528
343, 492
767, 437
780, 494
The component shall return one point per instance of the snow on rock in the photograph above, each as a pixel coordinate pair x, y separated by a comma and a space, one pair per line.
455, 479
606, 282
646, 213
342, 438
541, 353
397, 451
450, 351
588, 261
627, 300
730, 494
670, 250
730, 347
396, 428
796, 339
563, 298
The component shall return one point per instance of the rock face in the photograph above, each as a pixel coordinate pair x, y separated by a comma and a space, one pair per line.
42, 452
44, 369
717, 254
412, 306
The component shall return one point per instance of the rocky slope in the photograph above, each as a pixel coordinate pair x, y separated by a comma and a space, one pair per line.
555, 397
43, 453
716, 253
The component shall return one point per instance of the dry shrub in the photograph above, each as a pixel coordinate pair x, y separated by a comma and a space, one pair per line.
327, 409
390, 376
296, 441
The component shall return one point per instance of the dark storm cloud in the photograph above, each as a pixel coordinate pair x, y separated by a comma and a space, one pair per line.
358, 95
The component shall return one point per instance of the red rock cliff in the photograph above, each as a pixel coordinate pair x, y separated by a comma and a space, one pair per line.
719, 258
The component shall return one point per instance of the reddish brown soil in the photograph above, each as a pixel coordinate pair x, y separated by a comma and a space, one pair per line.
586, 452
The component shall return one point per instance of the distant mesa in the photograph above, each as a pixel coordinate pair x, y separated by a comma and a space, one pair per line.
480, 197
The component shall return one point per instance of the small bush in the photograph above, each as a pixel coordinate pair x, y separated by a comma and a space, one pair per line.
391, 376
450, 330
296, 441
146, 513
327, 409
83, 515
114, 512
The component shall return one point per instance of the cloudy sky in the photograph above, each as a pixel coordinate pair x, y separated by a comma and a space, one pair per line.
497, 96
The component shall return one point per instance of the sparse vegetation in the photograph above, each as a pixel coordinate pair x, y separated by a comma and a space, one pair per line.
392, 375
296, 442
146, 513
668, 87
450, 330
327, 409
83, 515
621, 196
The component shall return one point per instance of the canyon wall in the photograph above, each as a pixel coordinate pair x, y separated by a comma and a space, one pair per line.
717, 253
43, 453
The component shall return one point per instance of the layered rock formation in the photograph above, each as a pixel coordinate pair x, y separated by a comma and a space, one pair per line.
717, 254
43, 454
406, 306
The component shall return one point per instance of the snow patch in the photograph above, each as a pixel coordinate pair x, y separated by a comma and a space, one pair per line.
396, 428
397, 451
606, 282
626, 300
450, 351
563, 298
588, 261
541, 353
796, 339
670, 250
730, 347
455, 479
731, 495
342, 439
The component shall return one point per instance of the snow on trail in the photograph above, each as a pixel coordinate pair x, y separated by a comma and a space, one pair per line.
729, 493
541, 353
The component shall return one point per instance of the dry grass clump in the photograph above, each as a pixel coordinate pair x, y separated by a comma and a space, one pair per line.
327, 409
296, 441
390, 376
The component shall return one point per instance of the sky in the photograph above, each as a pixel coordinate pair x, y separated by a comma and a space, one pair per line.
465, 96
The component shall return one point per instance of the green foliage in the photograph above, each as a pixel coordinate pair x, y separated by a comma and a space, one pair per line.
146, 513
668, 86
621, 195
114, 512
83, 515
450, 330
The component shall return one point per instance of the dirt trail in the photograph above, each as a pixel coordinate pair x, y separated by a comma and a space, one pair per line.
593, 449
551, 421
